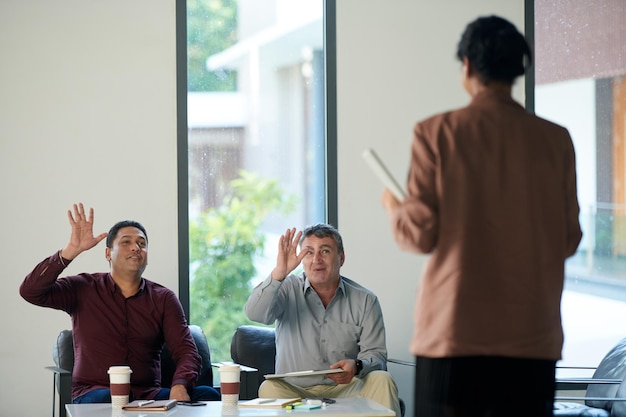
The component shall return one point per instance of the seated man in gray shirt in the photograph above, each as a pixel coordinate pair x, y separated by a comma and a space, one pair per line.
323, 321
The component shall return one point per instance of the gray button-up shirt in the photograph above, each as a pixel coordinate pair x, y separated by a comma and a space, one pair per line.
311, 337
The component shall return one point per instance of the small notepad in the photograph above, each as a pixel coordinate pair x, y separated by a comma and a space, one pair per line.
145, 405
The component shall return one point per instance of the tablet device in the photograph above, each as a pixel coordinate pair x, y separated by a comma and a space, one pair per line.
383, 174
304, 373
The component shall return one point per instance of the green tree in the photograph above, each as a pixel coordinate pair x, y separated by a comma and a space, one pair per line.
223, 244
211, 28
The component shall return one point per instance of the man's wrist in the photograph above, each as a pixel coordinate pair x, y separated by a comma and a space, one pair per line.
64, 260
359, 366
278, 276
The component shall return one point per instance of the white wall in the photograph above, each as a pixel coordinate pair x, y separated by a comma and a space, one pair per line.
396, 65
87, 113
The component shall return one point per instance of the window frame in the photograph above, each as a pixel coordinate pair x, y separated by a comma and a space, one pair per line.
182, 141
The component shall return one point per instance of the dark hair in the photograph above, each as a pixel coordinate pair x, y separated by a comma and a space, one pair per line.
322, 230
120, 225
495, 49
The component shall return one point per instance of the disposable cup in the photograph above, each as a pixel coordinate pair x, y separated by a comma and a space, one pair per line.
229, 385
119, 378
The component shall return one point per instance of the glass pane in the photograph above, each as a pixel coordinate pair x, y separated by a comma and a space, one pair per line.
580, 65
256, 147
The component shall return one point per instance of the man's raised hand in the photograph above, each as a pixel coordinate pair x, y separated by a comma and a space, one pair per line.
288, 259
82, 237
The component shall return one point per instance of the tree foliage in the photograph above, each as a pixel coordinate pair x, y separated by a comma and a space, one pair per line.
224, 242
211, 28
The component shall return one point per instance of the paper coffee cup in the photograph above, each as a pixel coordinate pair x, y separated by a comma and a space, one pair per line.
229, 385
119, 378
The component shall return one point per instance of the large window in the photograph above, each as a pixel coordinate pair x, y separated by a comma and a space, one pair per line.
256, 147
580, 65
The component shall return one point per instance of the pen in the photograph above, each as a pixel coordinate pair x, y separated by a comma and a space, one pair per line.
142, 403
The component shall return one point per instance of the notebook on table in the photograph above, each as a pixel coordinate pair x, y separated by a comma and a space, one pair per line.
149, 405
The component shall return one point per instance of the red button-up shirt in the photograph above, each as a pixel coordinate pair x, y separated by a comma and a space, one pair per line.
109, 329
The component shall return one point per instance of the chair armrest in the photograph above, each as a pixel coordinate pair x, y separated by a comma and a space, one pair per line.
573, 384
249, 382
242, 367
401, 362
249, 387
62, 383
58, 370
559, 398
564, 383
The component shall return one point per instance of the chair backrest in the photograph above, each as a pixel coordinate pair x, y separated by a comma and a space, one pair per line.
63, 355
205, 377
255, 346
63, 351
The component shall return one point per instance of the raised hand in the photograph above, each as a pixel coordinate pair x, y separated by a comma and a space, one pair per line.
288, 259
82, 237
389, 201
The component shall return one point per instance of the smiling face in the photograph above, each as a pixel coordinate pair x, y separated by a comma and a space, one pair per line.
128, 253
322, 261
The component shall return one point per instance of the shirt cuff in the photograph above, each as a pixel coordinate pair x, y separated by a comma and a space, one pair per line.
269, 282
61, 260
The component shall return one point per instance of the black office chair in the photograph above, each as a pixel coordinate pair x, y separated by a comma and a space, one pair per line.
605, 391
254, 347
63, 356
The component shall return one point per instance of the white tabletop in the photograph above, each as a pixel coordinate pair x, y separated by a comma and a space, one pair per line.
344, 407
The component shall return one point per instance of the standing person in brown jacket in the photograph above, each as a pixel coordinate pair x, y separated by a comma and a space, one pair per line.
492, 196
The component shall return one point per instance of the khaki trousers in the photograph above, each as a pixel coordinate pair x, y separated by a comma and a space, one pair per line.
376, 385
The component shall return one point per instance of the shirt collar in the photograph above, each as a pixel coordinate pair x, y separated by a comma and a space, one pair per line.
307, 284
112, 286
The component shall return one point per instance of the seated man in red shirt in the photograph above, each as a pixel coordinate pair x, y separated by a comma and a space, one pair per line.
118, 317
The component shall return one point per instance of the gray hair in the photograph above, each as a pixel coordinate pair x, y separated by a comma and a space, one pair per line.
322, 230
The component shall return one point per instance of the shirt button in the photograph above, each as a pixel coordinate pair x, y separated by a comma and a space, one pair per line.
323, 340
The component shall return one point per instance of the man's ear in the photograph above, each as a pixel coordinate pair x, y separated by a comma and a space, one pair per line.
107, 254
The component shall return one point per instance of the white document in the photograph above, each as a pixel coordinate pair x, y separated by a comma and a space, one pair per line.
381, 171
304, 373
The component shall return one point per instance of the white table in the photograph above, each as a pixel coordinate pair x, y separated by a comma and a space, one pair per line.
344, 407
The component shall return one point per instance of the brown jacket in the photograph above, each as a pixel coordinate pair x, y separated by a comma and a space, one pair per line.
492, 195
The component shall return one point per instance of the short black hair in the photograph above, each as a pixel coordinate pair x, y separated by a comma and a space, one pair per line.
322, 230
120, 225
495, 48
